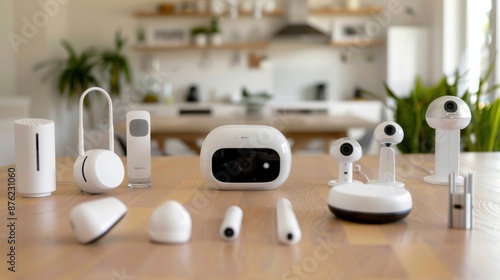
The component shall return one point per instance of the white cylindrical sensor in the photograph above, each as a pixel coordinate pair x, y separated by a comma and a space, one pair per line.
230, 228
35, 157
288, 227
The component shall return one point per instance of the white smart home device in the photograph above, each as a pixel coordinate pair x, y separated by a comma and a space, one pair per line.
447, 114
230, 227
388, 133
245, 157
369, 203
96, 171
35, 157
170, 223
138, 149
345, 151
92, 220
288, 227
460, 203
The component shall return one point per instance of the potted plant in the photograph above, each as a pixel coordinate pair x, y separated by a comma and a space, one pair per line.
74, 73
254, 102
115, 65
215, 34
78, 71
482, 134
199, 35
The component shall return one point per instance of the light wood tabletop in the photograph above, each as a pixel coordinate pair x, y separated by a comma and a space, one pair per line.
419, 247
301, 128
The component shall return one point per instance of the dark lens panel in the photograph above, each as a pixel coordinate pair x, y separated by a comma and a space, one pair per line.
245, 165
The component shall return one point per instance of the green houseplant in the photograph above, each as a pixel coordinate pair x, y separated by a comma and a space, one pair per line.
215, 34
79, 71
481, 135
115, 65
74, 73
199, 35
254, 102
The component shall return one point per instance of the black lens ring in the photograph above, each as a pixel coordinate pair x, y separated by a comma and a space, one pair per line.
450, 106
245, 164
346, 149
389, 130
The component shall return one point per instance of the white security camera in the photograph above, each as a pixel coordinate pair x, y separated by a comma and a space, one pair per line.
447, 114
387, 134
245, 157
346, 151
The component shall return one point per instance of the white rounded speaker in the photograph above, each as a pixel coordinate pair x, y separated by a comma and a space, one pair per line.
96, 171
35, 157
368, 203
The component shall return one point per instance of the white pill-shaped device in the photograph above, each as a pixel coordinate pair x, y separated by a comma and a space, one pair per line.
288, 227
231, 225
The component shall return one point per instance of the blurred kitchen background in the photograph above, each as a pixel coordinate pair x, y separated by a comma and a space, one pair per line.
207, 56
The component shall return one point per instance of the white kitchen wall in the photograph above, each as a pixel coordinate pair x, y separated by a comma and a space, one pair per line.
292, 71
7, 54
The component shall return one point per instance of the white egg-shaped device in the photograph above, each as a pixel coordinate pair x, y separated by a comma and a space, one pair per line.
170, 223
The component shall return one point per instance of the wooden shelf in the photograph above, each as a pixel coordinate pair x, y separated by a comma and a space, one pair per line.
147, 14
225, 46
358, 43
345, 11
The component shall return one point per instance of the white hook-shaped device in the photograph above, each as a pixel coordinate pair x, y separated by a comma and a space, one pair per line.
96, 171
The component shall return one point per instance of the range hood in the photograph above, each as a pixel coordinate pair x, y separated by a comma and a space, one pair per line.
297, 27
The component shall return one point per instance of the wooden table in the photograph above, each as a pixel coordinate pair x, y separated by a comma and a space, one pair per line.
302, 128
421, 246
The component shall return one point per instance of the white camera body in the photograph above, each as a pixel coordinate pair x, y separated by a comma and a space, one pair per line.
387, 134
447, 114
245, 157
346, 151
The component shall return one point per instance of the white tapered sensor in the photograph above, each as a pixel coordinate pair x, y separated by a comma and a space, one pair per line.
230, 228
288, 226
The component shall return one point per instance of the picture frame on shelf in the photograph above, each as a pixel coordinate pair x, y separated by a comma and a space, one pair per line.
167, 36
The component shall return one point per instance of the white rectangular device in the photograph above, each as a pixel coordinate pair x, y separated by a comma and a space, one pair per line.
245, 157
139, 149
35, 157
